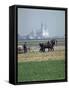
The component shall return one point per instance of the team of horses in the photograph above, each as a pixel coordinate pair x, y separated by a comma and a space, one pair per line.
49, 45
43, 46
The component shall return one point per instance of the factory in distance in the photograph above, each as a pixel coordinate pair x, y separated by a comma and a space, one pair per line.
42, 33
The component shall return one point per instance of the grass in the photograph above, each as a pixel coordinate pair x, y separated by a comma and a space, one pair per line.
43, 70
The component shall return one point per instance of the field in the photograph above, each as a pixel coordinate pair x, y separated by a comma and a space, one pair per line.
40, 56
35, 65
44, 70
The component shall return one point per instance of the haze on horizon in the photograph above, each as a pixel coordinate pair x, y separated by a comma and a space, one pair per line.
31, 19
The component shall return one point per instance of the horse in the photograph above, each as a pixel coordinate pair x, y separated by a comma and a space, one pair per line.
49, 45
42, 48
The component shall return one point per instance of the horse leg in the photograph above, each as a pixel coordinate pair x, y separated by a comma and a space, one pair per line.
48, 49
53, 49
43, 49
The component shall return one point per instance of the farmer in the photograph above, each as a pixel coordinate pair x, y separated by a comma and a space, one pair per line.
25, 47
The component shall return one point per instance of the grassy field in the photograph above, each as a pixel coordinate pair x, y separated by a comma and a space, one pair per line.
41, 70
35, 65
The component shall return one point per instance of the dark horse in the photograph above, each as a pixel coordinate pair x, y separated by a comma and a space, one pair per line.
49, 45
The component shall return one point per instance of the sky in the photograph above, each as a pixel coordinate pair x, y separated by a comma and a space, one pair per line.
31, 19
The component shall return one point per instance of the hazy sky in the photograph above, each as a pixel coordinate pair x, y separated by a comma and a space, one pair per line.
31, 19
